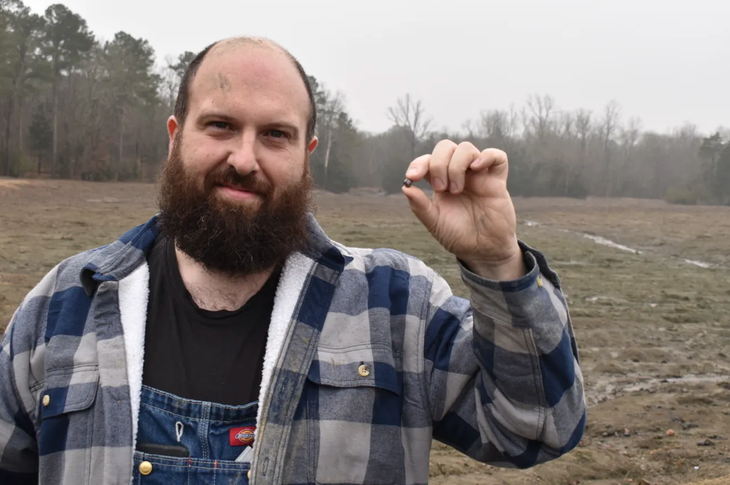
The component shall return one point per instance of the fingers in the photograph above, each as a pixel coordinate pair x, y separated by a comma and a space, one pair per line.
423, 208
493, 160
439, 164
418, 168
462, 158
446, 168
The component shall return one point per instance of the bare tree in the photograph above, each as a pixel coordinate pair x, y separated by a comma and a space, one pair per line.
495, 127
567, 125
609, 127
630, 134
171, 75
541, 114
629, 137
583, 128
169, 82
470, 129
334, 105
409, 115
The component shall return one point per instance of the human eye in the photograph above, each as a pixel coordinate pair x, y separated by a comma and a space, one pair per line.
278, 134
219, 125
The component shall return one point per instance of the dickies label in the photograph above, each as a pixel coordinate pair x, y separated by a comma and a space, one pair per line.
241, 436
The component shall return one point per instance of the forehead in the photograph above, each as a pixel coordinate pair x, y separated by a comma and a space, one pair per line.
249, 76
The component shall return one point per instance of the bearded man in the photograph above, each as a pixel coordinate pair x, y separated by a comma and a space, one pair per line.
229, 340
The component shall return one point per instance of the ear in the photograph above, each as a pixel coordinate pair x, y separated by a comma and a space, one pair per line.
312, 145
172, 127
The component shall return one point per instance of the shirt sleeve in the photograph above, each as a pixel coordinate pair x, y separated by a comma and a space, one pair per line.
18, 446
502, 371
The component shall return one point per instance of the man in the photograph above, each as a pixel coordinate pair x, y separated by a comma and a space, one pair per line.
228, 339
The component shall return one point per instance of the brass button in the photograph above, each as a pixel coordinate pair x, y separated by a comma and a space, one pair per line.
145, 468
248, 475
539, 281
46, 400
363, 370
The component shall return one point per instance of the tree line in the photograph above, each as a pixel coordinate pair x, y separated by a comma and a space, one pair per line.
76, 106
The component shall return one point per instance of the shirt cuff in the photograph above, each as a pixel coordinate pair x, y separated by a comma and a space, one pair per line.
512, 302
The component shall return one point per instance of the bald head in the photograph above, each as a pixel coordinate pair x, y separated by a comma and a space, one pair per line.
248, 41
227, 47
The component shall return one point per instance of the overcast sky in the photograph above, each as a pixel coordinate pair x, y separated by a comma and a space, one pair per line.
664, 61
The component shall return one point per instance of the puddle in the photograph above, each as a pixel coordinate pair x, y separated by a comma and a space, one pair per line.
688, 379
701, 264
606, 388
611, 244
570, 263
608, 300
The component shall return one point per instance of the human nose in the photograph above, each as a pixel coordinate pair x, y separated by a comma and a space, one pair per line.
243, 157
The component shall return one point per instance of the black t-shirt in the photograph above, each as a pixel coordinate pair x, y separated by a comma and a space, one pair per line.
214, 356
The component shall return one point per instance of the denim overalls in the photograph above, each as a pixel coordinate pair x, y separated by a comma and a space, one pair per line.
213, 434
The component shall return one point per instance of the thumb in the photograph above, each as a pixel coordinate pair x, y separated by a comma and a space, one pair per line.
423, 208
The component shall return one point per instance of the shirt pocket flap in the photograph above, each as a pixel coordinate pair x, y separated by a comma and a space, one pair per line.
366, 366
69, 390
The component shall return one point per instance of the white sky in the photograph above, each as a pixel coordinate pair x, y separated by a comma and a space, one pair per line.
665, 61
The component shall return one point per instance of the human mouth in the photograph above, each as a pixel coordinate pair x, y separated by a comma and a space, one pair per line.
237, 192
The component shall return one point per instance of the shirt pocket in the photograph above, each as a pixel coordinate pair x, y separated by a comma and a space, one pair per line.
67, 416
355, 404
363, 366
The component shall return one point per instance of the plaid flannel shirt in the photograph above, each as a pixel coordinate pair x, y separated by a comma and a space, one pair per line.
378, 358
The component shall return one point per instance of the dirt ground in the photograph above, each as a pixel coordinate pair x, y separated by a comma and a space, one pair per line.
652, 316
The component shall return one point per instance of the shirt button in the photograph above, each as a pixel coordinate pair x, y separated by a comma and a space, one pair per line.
46, 400
539, 281
248, 475
363, 370
145, 468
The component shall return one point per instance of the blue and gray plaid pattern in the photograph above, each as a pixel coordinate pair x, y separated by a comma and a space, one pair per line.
379, 359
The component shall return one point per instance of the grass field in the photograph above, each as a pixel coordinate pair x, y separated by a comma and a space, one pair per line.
652, 317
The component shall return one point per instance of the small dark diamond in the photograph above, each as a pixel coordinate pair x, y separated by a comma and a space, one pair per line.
407, 182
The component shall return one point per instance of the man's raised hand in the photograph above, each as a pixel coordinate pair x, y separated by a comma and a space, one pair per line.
471, 213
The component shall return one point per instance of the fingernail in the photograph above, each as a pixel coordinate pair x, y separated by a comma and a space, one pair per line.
411, 172
438, 184
453, 188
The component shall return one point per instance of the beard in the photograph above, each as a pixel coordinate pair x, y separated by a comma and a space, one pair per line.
235, 239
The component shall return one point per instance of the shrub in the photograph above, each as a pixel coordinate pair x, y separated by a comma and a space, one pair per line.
679, 195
